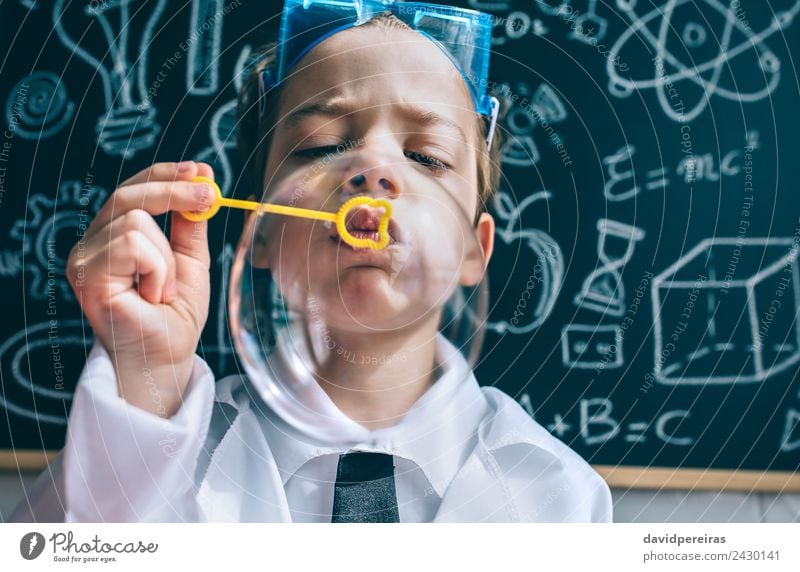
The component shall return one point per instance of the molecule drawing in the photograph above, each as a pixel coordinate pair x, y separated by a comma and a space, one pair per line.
677, 54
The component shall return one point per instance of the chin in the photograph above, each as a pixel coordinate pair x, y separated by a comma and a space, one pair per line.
364, 300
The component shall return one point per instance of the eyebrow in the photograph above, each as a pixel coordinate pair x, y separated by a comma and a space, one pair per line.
338, 108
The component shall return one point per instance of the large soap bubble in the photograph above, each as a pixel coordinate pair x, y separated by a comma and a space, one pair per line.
310, 314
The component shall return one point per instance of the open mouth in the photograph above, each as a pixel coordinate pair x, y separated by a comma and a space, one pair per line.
363, 222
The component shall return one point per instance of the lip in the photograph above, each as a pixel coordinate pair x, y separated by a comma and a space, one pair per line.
363, 222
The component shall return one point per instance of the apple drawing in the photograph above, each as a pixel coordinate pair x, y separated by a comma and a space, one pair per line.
537, 258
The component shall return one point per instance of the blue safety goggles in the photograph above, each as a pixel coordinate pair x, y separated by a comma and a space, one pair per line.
465, 36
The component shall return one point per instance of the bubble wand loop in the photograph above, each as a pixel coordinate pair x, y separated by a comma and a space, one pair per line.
338, 218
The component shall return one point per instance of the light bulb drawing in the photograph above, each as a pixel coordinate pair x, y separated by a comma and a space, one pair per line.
129, 122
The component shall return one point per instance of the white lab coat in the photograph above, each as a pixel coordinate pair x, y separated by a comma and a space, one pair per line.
211, 462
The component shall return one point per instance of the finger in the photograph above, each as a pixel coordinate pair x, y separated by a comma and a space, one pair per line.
129, 260
189, 239
164, 172
205, 170
156, 197
141, 221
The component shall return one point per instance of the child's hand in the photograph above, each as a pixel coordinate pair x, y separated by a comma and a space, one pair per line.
146, 296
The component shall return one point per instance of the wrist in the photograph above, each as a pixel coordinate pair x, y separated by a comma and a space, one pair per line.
158, 388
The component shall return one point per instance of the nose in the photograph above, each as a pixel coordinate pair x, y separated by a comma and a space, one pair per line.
373, 179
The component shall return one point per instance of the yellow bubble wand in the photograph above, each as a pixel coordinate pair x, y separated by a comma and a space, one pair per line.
338, 218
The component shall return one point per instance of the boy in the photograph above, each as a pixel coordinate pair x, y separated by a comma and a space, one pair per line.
440, 449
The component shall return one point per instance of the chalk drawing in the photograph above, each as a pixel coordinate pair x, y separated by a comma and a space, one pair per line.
49, 231
553, 7
619, 166
621, 184
221, 131
790, 440
40, 104
202, 69
589, 27
559, 427
28, 396
597, 425
725, 312
736, 41
545, 109
590, 346
129, 122
546, 273
603, 290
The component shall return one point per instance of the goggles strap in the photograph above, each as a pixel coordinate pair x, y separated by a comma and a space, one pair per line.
265, 84
495, 104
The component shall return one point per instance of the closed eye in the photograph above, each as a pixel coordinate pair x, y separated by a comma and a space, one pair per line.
316, 152
432, 162
436, 165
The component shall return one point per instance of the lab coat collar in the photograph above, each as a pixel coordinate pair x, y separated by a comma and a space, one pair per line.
259, 453
437, 433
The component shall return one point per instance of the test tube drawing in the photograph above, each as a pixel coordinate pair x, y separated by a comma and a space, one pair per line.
202, 71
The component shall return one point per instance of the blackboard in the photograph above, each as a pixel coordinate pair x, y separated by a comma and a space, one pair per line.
645, 290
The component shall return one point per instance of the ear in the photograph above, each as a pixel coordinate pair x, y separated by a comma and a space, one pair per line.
484, 232
259, 258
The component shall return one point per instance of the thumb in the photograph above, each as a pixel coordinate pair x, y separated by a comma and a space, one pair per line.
190, 239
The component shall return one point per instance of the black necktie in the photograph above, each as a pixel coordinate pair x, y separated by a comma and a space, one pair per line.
364, 490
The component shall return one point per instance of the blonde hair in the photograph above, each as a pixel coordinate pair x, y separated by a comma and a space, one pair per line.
253, 135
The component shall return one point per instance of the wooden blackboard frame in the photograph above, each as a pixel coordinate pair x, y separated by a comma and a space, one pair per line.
621, 477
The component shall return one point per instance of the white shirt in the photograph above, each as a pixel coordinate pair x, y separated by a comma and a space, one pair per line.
462, 453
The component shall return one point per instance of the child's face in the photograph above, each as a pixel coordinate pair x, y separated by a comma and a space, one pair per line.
392, 99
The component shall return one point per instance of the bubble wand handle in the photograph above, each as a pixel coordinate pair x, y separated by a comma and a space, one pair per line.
277, 209
339, 218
